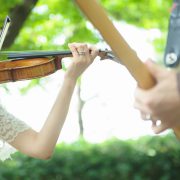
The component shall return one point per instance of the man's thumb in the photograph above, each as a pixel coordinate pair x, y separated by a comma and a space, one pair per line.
153, 67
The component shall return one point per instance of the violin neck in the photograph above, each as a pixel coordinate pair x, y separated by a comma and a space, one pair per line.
15, 55
34, 54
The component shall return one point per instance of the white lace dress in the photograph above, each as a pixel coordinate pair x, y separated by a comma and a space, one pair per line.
10, 126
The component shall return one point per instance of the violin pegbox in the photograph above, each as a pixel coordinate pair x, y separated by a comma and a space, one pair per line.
108, 54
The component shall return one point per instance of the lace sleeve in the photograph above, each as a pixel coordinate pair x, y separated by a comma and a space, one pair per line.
10, 127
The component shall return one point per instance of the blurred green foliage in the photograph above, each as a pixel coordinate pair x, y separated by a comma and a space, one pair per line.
6, 7
54, 23
148, 158
144, 14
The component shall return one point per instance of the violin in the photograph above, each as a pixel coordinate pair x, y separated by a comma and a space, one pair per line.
26, 65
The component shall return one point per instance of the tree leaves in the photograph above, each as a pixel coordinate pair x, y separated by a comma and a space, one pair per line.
52, 24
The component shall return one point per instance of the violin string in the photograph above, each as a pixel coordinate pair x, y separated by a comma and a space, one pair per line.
40, 54
34, 54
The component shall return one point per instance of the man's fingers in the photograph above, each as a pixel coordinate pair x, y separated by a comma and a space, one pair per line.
159, 128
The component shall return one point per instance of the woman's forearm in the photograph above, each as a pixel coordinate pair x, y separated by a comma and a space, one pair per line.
41, 144
48, 135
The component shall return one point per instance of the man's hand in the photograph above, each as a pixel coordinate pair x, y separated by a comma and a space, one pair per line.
160, 104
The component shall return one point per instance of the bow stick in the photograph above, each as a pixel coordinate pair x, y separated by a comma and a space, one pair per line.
4, 30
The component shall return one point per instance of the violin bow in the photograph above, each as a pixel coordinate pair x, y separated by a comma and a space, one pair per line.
4, 30
98, 17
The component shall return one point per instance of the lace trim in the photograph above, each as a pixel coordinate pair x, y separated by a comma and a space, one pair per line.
10, 127
5, 151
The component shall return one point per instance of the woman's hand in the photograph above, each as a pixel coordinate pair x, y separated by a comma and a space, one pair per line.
162, 102
83, 56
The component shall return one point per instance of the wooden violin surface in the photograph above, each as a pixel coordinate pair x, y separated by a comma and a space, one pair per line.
17, 70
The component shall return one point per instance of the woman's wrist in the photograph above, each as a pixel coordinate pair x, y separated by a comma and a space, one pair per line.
70, 80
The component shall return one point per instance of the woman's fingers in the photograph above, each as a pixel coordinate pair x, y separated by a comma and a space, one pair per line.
73, 49
93, 51
82, 50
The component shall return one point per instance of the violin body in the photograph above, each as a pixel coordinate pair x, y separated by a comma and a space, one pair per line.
17, 70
